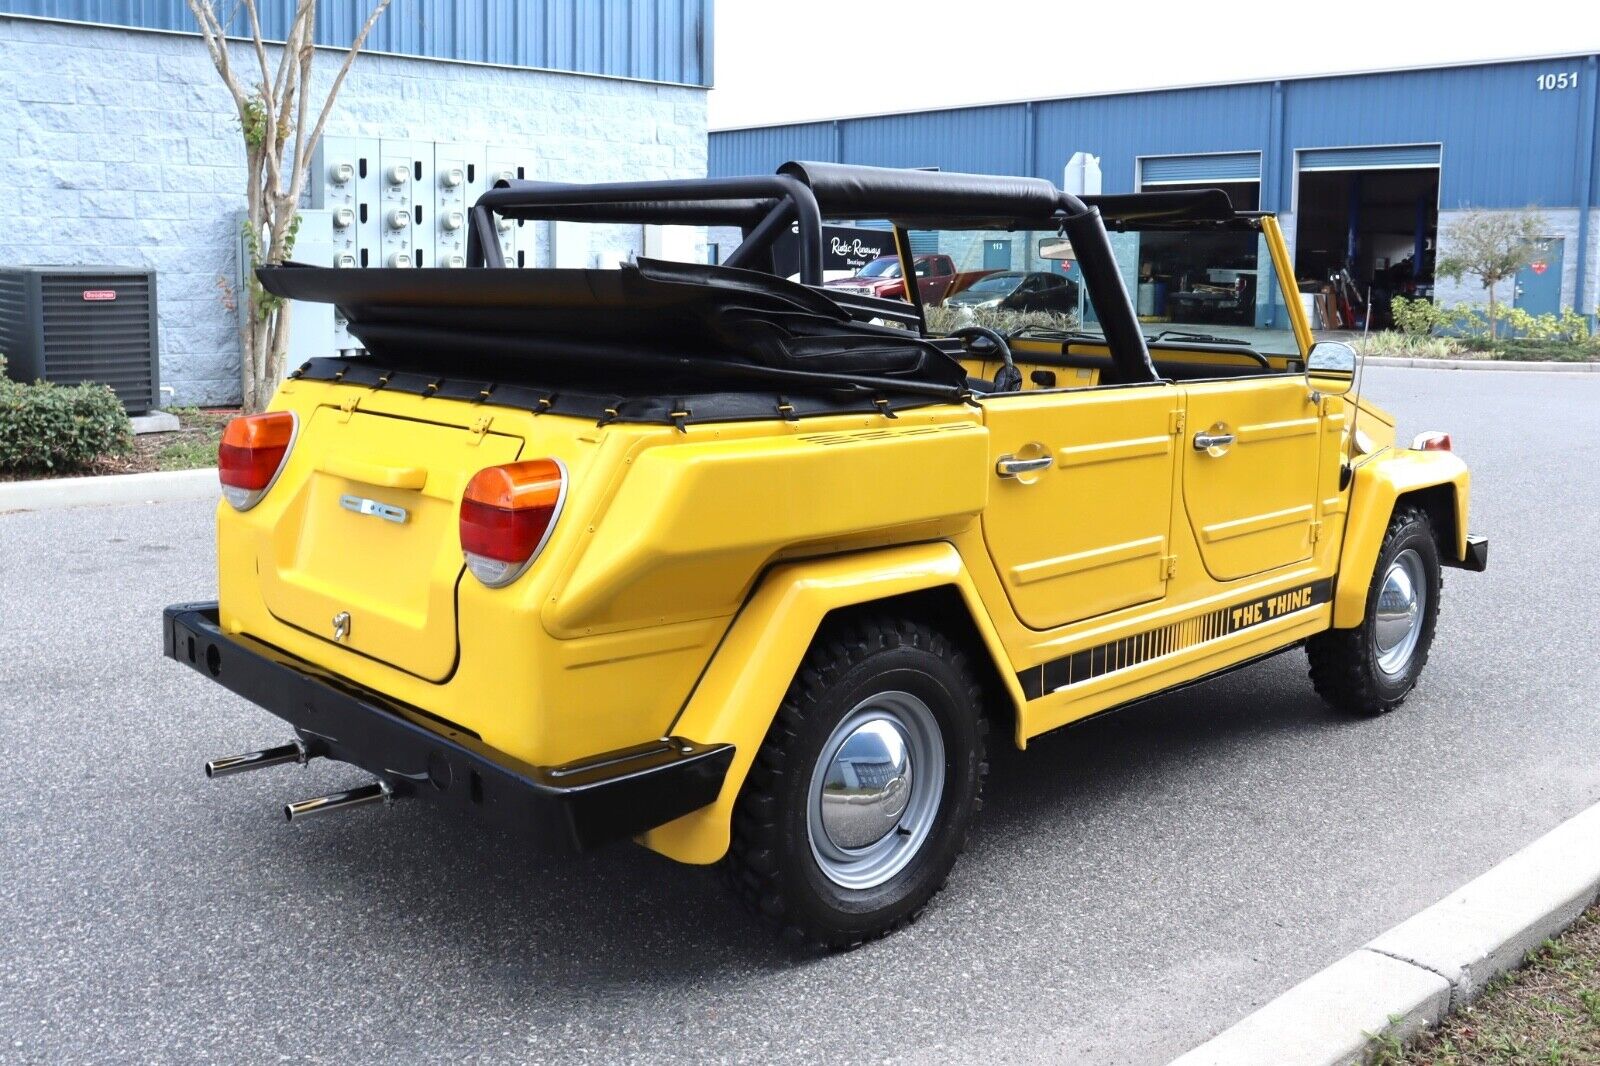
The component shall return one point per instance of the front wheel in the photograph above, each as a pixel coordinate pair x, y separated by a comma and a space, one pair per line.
1370, 669
863, 791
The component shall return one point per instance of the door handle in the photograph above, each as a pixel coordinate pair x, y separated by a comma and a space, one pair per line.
1206, 442
1011, 466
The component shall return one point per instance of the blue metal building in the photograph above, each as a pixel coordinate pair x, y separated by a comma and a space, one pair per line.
650, 40
1368, 167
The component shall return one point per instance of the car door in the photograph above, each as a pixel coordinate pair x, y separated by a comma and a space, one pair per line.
1027, 296
1250, 461
934, 275
1080, 514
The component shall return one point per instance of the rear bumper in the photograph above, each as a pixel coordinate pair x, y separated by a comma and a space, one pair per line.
555, 808
1477, 558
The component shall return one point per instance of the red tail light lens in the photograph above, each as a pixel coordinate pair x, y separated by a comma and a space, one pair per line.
1431, 441
506, 517
251, 455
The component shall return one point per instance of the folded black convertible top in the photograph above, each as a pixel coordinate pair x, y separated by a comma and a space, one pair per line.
715, 326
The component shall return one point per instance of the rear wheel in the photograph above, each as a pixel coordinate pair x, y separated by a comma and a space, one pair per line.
863, 791
1371, 669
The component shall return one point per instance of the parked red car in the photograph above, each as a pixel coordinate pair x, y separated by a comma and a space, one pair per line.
936, 278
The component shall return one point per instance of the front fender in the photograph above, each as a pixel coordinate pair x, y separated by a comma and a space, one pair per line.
1378, 485
738, 696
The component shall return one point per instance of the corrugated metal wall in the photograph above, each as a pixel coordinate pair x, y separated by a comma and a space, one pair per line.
1506, 142
653, 40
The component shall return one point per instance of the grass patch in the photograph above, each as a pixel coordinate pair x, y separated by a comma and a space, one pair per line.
1547, 1013
1396, 345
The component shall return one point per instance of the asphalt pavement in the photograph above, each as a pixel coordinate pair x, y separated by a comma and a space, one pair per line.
1133, 886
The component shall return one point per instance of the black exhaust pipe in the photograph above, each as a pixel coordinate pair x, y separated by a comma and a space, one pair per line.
257, 760
378, 792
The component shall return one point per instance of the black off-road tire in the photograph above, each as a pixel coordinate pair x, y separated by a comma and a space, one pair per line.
770, 862
1344, 662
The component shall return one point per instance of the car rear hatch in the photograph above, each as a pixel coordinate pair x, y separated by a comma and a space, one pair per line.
367, 553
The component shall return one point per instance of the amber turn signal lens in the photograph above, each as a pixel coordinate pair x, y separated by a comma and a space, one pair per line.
507, 513
251, 454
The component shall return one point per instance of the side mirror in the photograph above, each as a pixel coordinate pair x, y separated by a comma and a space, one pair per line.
1331, 367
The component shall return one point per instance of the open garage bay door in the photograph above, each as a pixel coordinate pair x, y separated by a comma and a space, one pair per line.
1366, 222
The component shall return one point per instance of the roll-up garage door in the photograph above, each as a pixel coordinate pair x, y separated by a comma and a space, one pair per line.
1386, 157
1199, 169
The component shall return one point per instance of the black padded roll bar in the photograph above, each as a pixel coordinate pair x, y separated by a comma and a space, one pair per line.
1118, 318
802, 194
743, 202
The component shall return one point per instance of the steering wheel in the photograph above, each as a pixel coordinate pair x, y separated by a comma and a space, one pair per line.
983, 343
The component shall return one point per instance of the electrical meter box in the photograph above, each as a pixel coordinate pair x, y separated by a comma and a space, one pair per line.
457, 184
344, 182
405, 204
519, 241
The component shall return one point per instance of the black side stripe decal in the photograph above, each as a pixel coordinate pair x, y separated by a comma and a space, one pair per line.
1120, 654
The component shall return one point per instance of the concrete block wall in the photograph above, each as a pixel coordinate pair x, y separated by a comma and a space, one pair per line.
121, 147
1559, 222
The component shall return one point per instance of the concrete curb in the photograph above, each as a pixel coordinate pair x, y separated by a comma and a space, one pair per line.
160, 486
1432, 963
1484, 364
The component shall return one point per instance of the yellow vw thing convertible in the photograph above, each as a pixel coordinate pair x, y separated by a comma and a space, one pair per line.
750, 570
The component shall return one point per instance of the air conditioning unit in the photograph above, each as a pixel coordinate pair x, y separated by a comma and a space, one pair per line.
73, 324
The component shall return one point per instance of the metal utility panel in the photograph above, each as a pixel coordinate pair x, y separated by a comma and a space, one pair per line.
405, 205
458, 181
69, 325
344, 181
315, 330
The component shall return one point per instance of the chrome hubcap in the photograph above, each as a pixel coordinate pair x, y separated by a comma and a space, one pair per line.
875, 790
1402, 603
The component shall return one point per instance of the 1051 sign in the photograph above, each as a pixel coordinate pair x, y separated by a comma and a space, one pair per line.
1565, 80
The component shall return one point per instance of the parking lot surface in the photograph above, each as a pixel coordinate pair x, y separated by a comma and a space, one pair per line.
1133, 886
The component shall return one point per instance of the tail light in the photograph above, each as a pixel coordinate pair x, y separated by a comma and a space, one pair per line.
251, 455
1431, 441
506, 517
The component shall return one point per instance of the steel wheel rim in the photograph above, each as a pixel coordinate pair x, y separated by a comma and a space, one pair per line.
874, 793
1402, 605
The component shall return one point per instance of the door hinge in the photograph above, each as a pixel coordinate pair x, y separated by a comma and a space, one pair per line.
1175, 423
1316, 531
1169, 567
479, 427
348, 407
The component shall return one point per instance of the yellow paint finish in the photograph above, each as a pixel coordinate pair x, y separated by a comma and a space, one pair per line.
396, 580
1252, 504
1085, 535
1284, 269
1378, 485
736, 700
694, 523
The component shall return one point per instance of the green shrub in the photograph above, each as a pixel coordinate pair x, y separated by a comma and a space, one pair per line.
53, 428
1415, 317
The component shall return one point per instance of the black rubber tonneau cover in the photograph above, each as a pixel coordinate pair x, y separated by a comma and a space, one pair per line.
713, 326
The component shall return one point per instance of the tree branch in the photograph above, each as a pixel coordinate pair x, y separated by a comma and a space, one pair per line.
344, 68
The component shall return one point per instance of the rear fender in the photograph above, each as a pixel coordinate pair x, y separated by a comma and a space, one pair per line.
738, 696
1379, 485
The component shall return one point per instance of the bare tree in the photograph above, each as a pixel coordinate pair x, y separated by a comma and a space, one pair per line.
273, 116
1491, 246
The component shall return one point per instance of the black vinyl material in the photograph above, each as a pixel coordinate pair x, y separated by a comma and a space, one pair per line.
661, 324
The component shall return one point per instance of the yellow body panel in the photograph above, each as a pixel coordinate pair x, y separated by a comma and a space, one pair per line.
1378, 484
690, 569
736, 700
